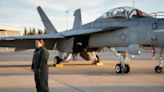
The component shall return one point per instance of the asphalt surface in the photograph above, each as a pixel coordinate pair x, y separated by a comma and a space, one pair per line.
80, 75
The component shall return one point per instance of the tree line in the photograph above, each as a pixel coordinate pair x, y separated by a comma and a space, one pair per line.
34, 31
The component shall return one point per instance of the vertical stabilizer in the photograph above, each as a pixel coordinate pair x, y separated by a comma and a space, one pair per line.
47, 23
77, 20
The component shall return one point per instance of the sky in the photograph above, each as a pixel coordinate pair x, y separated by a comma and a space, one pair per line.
23, 13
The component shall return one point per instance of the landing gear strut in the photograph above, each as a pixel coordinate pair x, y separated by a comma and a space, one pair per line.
158, 68
96, 60
123, 66
68, 57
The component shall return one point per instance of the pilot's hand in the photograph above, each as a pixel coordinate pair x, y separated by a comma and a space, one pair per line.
32, 70
39, 70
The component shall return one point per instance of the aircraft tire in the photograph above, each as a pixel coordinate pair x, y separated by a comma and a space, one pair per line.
158, 69
127, 68
118, 69
57, 60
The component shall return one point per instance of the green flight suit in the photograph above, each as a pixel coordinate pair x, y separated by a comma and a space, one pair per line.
40, 68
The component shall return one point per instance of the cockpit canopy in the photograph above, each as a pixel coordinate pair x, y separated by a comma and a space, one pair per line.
123, 12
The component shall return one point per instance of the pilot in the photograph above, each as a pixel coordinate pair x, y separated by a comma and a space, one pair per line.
40, 67
139, 13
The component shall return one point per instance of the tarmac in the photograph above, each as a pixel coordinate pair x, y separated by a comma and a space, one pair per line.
80, 75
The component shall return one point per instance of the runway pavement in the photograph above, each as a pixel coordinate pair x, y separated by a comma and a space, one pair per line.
80, 76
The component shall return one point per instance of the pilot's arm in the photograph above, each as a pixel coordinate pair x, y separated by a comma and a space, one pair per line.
44, 59
32, 66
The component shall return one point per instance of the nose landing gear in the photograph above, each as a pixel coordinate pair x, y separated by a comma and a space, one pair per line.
158, 68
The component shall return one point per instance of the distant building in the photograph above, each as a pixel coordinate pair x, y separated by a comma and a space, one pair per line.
9, 32
5, 32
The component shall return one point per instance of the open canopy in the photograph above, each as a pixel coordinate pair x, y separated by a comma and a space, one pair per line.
123, 12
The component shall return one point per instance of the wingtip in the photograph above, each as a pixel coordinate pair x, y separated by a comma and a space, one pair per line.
38, 7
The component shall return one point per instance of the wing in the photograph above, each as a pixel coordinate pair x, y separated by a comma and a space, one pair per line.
28, 42
90, 31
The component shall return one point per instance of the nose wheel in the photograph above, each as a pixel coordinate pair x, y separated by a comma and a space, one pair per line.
158, 69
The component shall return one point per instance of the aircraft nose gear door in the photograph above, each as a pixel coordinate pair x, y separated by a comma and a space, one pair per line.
80, 42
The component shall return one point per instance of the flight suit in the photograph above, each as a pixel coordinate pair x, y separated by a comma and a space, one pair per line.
40, 68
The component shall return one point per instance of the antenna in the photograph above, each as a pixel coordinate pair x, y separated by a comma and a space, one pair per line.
133, 3
67, 18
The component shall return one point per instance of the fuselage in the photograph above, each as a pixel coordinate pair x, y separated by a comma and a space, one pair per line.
137, 31
119, 27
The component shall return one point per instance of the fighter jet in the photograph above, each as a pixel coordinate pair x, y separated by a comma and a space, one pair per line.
124, 30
